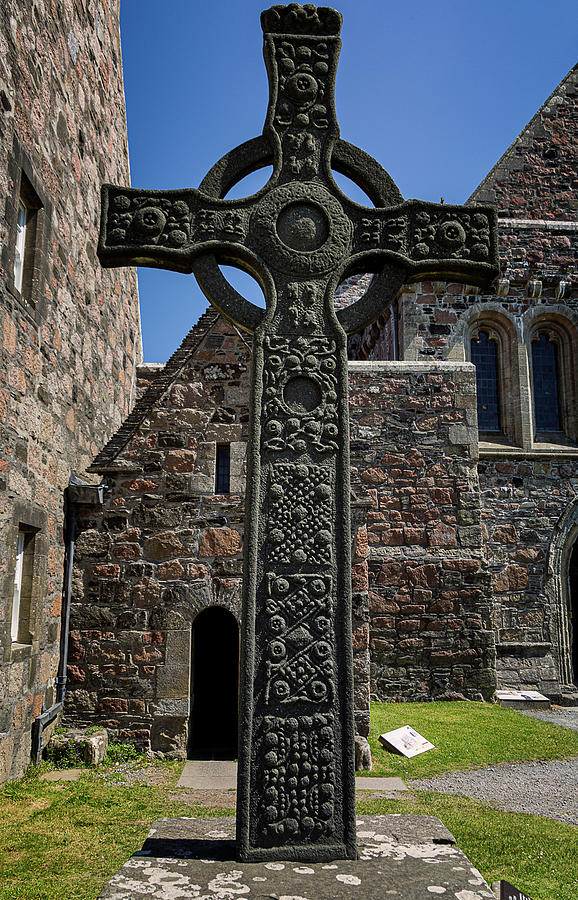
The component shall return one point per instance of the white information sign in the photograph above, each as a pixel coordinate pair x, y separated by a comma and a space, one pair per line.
405, 740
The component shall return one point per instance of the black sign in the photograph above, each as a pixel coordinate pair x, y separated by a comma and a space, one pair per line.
509, 892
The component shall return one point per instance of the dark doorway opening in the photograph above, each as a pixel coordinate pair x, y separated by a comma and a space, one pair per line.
573, 580
214, 685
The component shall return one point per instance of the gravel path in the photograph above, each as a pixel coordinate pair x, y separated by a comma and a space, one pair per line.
558, 715
135, 773
541, 788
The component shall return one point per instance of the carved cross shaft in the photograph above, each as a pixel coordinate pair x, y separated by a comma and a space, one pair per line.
299, 236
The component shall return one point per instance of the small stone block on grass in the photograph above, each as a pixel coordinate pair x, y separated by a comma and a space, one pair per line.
78, 746
523, 699
62, 775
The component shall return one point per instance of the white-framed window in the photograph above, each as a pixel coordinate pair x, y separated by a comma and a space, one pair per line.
20, 246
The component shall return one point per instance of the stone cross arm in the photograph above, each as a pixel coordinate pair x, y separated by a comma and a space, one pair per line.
169, 229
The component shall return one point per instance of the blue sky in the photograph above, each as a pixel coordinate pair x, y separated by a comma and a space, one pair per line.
435, 91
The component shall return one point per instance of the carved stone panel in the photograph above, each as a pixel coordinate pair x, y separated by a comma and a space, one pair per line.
300, 518
300, 646
297, 801
300, 395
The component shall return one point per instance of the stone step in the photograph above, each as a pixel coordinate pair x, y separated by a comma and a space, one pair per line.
215, 775
568, 698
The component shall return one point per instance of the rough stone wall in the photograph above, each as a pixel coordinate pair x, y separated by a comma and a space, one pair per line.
414, 447
70, 338
529, 480
164, 546
524, 500
436, 318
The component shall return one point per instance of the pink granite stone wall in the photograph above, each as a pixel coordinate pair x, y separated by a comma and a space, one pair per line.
414, 446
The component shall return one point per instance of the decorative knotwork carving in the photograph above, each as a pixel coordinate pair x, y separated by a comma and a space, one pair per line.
304, 85
137, 219
300, 514
450, 234
299, 664
297, 796
224, 226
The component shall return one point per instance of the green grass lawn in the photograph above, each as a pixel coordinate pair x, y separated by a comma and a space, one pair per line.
64, 840
466, 736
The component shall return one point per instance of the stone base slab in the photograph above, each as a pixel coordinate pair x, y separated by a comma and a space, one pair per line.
404, 857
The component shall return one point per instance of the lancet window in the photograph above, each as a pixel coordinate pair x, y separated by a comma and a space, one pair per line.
484, 355
554, 380
545, 377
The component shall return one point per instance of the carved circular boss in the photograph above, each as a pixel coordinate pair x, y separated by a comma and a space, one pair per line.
311, 232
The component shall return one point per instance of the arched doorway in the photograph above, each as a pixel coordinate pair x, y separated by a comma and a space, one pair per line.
573, 608
213, 720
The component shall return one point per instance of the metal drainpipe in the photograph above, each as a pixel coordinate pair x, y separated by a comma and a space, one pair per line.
92, 495
65, 613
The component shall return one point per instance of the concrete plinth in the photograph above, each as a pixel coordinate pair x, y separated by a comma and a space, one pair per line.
404, 857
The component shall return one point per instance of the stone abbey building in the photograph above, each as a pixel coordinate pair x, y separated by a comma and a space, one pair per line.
464, 441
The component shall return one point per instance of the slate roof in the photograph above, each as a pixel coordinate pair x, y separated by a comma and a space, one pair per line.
105, 460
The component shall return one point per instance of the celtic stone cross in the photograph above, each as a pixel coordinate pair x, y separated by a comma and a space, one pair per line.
299, 236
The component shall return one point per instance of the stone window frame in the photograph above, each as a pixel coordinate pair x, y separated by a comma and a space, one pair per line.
27, 188
203, 479
560, 328
25, 517
501, 328
22, 593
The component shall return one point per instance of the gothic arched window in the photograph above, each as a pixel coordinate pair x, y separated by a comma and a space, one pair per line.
545, 383
484, 355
